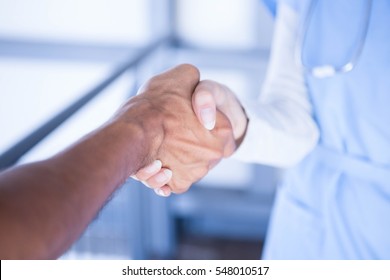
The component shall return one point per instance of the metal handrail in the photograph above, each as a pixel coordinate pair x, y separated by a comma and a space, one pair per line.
13, 154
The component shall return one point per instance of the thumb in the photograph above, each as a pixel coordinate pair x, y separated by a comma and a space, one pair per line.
204, 105
210, 96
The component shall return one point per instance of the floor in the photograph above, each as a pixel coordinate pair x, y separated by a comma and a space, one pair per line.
193, 248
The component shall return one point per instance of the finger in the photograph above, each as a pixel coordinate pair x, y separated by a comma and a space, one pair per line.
164, 191
148, 171
204, 105
225, 102
160, 179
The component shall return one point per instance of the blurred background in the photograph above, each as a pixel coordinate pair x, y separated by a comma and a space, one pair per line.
65, 66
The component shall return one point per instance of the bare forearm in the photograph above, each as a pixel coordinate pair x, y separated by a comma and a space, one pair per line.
45, 206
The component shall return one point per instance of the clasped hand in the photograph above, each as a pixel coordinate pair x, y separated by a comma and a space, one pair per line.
202, 122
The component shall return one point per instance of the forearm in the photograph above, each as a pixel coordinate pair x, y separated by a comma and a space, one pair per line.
281, 128
279, 134
45, 206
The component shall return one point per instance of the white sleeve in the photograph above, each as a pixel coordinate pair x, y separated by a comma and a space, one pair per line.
281, 130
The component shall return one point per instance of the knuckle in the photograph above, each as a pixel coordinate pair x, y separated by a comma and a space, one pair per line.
204, 96
219, 154
190, 69
218, 149
179, 187
142, 175
150, 183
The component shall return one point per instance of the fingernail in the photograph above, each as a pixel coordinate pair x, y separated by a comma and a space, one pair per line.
152, 168
164, 176
208, 118
160, 192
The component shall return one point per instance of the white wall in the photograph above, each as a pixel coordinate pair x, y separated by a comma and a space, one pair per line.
224, 24
81, 21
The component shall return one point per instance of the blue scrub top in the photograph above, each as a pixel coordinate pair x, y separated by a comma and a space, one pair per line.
335, 204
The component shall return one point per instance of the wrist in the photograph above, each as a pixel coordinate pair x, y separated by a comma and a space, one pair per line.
141, 130
236, 114
241, 137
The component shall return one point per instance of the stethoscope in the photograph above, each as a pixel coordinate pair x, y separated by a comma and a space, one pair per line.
328, 70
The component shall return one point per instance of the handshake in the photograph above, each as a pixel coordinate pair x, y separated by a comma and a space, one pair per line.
168, 136
191, 126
